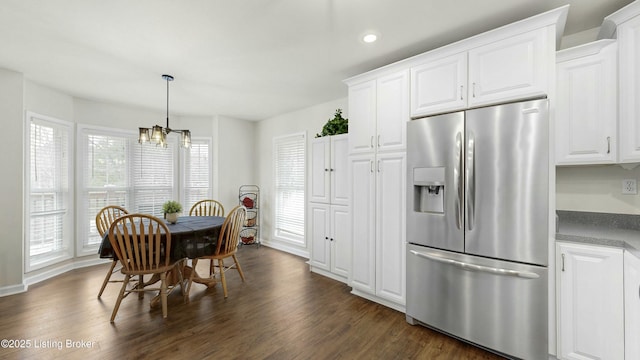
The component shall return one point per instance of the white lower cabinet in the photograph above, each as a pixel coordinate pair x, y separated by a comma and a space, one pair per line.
330, 241
631, 306
378, 227
590, 302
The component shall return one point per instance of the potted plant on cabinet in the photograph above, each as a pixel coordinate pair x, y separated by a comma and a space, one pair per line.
171, 210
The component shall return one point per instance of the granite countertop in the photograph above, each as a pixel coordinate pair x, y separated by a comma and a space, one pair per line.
618, 230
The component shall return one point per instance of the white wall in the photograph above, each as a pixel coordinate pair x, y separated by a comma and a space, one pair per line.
309, 120
237, 159
11, 184
596, 189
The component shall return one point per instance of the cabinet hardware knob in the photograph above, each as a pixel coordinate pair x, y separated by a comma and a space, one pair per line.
608, 144
330, 169
474, 89
562, 262
326, 169
326, 238
378, 140
331, 239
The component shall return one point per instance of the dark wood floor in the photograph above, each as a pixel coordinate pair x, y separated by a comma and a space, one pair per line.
282, 311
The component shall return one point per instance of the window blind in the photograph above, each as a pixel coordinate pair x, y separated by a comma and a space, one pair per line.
116, 170
105, 180
50, 220
152, 169
289, 172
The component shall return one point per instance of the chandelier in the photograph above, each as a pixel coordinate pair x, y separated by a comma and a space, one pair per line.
157, 135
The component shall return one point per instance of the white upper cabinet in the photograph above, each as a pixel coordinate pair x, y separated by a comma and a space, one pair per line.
439, 86
362, 116
509, 69
625, 25
629, 43
329, 170
392, 111
512, 68
378, 110
587, 107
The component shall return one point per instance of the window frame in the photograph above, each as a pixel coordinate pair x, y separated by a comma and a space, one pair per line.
288, 237
68, 222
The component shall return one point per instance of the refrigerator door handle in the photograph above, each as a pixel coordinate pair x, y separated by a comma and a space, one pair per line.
471, 186
457, 180
474, 267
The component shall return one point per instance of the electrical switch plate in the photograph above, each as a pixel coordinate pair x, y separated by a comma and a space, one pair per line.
629, 187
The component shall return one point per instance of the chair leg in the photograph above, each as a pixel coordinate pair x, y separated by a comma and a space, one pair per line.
179, 267
235, 259
163, 293
194, 263
211, 268
222, 277
106, 278
120, 296
140, 286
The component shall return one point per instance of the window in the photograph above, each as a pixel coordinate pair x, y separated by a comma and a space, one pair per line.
289, 170
115, 170
196, 170
49, 231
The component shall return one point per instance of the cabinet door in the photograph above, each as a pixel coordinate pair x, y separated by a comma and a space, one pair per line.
439, 86
586, 111
320, 243
590, 314
390, 227
340, 241
362, 117
362, 209
392, 111
509, 69
339, 170
320, 169
629, 44
631, 306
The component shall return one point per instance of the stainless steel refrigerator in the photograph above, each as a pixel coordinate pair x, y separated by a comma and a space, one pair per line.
477, 226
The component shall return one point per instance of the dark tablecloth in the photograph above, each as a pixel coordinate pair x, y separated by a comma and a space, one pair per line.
191, 236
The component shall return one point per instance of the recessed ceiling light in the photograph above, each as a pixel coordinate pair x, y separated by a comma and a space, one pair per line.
369, 38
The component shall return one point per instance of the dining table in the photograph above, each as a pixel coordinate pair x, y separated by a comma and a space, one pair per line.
191, 237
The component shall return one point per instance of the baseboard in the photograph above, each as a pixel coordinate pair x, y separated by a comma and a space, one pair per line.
50, 272
381, 301
12, 289
328, 274
286, 248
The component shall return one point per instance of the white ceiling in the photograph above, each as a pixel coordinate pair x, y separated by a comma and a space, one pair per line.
246, 59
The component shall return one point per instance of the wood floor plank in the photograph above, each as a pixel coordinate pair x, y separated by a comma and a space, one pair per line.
282, 311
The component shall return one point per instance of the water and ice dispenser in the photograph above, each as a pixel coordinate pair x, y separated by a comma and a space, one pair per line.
428, 189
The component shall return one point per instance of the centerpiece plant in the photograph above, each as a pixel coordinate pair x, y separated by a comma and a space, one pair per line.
171, 210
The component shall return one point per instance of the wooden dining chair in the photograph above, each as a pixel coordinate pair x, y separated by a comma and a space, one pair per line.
207, 208
227, 246
105, 217
142, 243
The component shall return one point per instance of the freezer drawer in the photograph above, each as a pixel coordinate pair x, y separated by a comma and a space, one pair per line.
496, 304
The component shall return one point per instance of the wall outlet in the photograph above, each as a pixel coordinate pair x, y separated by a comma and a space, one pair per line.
629, 187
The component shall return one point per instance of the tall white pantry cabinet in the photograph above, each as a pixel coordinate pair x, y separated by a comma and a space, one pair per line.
330, 253
378, 112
